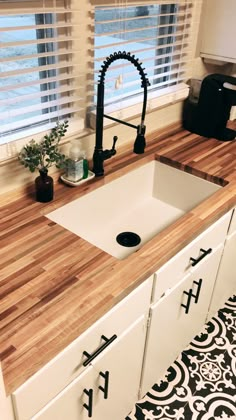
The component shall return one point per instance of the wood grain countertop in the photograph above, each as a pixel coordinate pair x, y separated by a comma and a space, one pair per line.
54, 285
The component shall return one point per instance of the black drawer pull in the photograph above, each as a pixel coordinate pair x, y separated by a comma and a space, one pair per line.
89, 406
189, 293
204, 254
104, 389
199, 285
92, 356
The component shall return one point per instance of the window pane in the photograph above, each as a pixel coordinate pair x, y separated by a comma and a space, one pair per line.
20, 79
147, 31
17, 64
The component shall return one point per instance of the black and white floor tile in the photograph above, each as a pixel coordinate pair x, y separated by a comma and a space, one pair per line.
201, 383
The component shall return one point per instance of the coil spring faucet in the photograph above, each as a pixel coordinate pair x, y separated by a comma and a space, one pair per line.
139, 145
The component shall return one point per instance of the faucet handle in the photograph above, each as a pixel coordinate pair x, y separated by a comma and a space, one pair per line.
107, 154
115, 138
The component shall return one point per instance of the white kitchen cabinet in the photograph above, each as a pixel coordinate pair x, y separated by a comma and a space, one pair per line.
61, 371
182, 264
6, 409
225, 285
217, 37
177, 317
116, 372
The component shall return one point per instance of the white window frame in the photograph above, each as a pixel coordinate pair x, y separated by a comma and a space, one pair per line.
131, 107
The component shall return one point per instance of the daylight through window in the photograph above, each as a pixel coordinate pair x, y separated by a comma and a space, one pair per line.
37, 77
156, 33
51, 52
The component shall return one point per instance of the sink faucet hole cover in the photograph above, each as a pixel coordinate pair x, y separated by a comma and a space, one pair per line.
128, 239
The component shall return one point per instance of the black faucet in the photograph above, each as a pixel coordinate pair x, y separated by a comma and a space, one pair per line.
139, 145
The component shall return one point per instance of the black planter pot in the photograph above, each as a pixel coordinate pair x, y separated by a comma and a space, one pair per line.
44, 187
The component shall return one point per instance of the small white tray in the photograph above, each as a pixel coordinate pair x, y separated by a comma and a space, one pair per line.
91, 175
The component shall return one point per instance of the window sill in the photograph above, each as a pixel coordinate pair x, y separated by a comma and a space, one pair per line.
131, 109
9, 151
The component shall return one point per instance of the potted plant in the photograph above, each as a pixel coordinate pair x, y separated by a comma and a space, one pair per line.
41, 156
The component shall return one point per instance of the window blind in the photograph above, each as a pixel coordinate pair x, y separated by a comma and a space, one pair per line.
156, 32
39, 81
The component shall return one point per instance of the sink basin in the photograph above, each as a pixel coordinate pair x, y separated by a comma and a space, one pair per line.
144, 202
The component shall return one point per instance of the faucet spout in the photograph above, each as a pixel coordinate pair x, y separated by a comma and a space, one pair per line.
139, 145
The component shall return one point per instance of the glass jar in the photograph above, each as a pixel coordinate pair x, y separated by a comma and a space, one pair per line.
44, 186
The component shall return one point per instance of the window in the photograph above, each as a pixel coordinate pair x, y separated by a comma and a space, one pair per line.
51, 52
37, 78
22, 83
157, 33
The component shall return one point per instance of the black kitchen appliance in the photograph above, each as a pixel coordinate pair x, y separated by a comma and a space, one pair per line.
208, 114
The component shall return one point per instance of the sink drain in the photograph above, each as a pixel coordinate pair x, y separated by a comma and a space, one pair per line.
128, 239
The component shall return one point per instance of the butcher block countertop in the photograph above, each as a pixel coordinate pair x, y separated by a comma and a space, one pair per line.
54, 285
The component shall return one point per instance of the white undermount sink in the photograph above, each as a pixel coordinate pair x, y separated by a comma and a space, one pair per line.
144, 201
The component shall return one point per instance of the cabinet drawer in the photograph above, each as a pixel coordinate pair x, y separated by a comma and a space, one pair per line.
180, 265
35, 393
218, 30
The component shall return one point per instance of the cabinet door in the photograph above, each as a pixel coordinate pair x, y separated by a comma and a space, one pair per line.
124, 364
218, 32
225, 285
172, 326
108, 389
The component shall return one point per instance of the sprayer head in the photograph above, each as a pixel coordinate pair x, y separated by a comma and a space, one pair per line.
140, 143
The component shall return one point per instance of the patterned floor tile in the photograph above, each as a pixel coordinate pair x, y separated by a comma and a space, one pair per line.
210, 372
201, 383
216, 406
227, 315
167, 398
137, 414
218, 333
231, 302
156, 412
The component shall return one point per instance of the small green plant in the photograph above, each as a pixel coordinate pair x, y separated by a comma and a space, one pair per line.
44, 154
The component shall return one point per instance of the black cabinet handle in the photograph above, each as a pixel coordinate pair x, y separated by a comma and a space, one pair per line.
195, 261
189, 293
199, 285
89, 406
104, 389
92, 356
